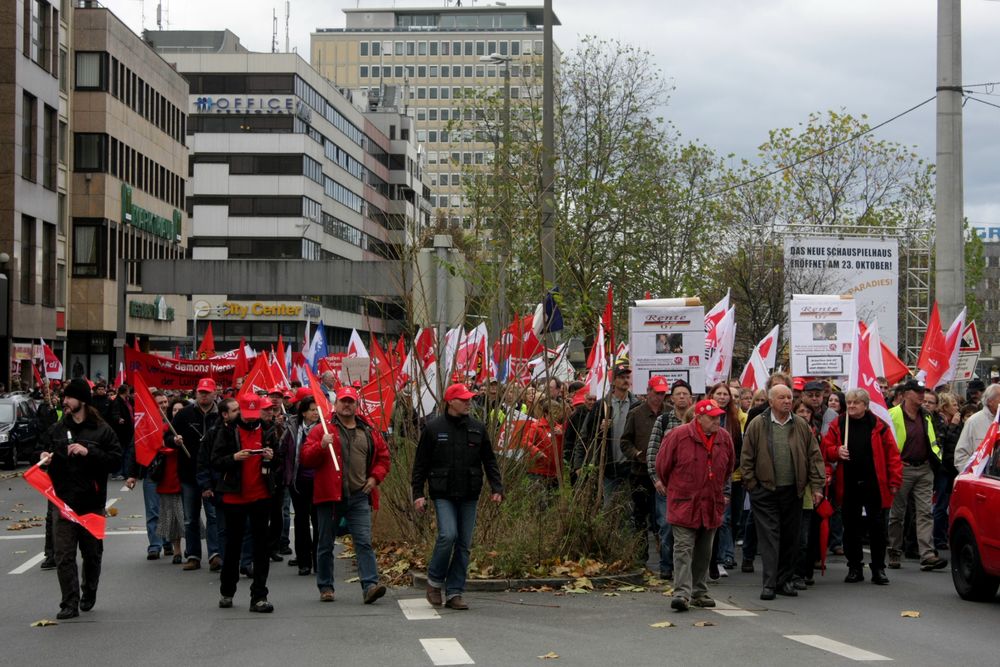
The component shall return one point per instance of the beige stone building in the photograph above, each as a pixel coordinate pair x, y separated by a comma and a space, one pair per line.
433, 57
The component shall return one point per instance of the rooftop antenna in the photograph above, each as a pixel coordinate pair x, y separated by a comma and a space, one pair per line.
288, 13
274, 30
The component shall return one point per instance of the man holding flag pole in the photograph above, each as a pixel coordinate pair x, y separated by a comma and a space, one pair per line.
79, 452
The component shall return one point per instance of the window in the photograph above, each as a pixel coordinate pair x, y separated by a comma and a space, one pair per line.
504, 47
445, 48
398, 71
376, 49
29, 142
468, 48
49, 148
28, 259
422, 71
397, 48
433, 114
411, 49
90, 152
91, 70
481, 49
48, 265
63, 71
60, 285
468, 71
456, 48
88, 249
433, 92
515, 48
421, 48
434, 71
364, 48
363, 72
434, 48
421, 114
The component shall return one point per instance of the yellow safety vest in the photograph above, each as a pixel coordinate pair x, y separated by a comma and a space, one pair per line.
899, 429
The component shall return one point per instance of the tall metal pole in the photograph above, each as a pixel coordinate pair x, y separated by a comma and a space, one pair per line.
949, 248
548, 204
505, 205
442, 245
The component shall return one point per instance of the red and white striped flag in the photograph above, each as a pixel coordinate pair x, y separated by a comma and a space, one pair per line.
862, 375
977, 464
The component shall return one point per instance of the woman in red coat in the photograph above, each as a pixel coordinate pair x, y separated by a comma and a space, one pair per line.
868, 475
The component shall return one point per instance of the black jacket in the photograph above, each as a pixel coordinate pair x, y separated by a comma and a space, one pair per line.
120, 420
451, 456
82, 481
227, 443
592, 439
193, 425
947, 438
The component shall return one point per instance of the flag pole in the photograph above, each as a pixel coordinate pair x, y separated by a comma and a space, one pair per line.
326, 431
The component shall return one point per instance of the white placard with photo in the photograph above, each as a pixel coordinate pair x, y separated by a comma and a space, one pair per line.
669, 341
822, 334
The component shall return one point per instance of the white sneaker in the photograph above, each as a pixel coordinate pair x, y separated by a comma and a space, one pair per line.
722, 571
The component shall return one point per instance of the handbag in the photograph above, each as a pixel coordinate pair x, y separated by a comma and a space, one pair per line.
155, 469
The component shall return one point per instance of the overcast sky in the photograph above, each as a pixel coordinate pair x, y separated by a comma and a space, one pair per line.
740, 67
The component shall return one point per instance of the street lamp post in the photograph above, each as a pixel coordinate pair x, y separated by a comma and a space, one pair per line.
498, 59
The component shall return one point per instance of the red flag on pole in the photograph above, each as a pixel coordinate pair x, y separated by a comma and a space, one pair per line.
135, 344
377, 400
207, 347
53, 366
607, 319
258, 380
380, 363
281, 358
322, 402
34, 372
242, 365
38, 478
934, 354
148, 422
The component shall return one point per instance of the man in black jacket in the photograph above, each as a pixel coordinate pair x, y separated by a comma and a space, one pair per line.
80, 451
603, 432
192, 424
121, 421
453, 452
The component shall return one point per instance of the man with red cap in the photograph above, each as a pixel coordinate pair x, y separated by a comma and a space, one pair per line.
452, 455
351, 459
193, 426
695, 463
240, 454
634, 441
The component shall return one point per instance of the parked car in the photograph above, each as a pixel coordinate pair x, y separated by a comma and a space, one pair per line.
974, 527
18, 430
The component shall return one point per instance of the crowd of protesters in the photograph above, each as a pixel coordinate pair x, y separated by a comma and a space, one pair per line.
705, 475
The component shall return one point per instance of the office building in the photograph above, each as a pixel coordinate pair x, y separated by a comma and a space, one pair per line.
435, 55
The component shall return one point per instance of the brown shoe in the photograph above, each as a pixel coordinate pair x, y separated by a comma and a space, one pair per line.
327, 596
434, 595
214, 564
192, 564
456, 603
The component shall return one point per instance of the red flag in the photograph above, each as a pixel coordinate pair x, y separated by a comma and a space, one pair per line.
977, 464
755, 374
378, 398
380, 363
38, 478
242, 365
259, 378
177, 352
934, 354
207, 347
34, 372
861, 375
607, 319
120, 378
148, 421
322, 402
135, 344
400, 355
53, 366
280, 382
281, 357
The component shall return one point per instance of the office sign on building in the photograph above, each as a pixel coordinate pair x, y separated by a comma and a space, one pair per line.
147, 221
865, 268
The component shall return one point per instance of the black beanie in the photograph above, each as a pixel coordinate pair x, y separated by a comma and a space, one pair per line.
78, 389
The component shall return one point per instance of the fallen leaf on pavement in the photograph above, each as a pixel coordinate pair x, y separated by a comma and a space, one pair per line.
662, 624
43, 623
112, 511
576, 591
583, 582
632, 589
910, 614
669, 592
704, 624
352, 580
20, 552
551, 655
611, 595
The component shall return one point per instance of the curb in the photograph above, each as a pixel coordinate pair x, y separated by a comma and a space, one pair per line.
500, 585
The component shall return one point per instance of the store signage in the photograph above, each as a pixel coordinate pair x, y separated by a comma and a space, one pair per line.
147, 221
158, 310
241, 311
987, 234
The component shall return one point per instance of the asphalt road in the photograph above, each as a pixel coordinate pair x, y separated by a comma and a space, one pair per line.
153, 613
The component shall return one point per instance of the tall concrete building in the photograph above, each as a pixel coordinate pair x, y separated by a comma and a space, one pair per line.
285, 166
130, 167
436, 57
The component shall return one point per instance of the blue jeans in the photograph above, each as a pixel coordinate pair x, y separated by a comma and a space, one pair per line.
449, 563
666, 536
191, 497
152, 501
943, 482
357, 510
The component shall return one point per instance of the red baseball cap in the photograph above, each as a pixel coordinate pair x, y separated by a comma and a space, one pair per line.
708, 407
251, 404
301, 393
658, 383
458, 391
799, 384
347, 393
206, 384
580, 397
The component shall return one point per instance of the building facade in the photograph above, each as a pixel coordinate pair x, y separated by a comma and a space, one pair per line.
284, 166
987, 294
34, 104
437, 57
130, 165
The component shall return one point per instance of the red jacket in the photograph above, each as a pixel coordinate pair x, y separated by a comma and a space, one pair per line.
888, 465
544, 448
328, 485
696, 481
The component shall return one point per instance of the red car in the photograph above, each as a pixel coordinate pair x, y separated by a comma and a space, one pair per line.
974, 518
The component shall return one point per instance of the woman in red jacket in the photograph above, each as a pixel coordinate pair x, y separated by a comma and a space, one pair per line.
868, 475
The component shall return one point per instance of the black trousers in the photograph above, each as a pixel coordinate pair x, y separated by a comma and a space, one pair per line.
258, 513
305, 523
778, 516
276, 519
857, 497
643, 512
67, 537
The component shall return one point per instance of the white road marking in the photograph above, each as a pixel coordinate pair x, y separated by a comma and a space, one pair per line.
124, 489
446, 651
726, 609
30, 563
839, 648
38, 536
418, 609
111, 501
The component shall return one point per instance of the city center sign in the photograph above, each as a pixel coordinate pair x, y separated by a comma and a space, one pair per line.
147, 221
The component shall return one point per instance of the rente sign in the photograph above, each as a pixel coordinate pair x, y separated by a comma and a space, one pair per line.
148, 221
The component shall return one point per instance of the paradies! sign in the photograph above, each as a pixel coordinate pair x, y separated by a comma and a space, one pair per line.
822, 334
667, 337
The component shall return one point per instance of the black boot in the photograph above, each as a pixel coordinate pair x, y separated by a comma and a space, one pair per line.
854, 575
879, 578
